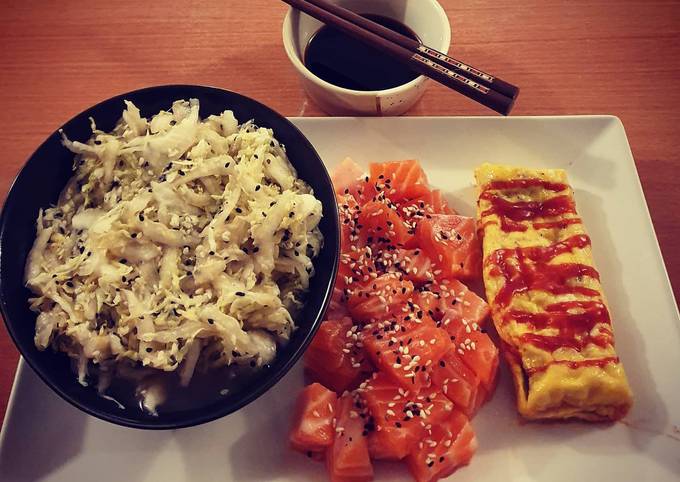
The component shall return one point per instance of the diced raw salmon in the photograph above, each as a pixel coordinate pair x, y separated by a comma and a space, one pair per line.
450, 446
312, 429
348, 459
333, 358
451, 242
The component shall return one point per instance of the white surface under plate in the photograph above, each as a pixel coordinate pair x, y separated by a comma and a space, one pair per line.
45, 438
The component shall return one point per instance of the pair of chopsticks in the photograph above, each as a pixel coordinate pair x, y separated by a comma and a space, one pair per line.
479, 86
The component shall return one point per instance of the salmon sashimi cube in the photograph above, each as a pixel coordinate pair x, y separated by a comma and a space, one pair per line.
480, 354
312, 429
348, 459
457, 382
333, 357
462, 311
414, 264
450, 445
348, 216
429, 302
337, 308
375, 298
408, 356
356, 265
400, 416
451, 242
432, 202
348, 178
381, 224
399, 179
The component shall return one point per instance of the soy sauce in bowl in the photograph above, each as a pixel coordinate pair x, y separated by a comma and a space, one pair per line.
346, 62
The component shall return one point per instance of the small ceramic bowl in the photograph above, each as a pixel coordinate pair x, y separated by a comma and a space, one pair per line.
425, 17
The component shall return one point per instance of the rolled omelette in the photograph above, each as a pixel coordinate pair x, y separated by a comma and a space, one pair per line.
546, 298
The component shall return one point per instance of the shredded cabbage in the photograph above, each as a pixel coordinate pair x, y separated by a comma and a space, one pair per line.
178, 243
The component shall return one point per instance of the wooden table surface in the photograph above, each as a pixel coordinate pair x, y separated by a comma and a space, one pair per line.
579, 57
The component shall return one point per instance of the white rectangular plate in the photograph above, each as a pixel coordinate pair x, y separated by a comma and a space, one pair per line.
45, 438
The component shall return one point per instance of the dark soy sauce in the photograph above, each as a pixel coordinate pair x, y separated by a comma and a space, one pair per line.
343, 61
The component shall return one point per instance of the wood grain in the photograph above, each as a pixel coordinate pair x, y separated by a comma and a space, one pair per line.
579, 57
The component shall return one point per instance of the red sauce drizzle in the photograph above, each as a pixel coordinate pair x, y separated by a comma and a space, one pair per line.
525, 183
561, 223
526, 269
512, 213
574, 364
573, 329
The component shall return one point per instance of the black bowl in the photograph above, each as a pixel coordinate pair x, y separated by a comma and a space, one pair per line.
38, 186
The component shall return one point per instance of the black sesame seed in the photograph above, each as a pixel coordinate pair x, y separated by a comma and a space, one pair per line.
240, 293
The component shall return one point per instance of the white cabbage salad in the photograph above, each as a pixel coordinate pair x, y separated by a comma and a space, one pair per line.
178, 243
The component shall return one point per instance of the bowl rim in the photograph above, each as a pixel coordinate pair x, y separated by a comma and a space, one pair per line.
302, 69
267, 382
